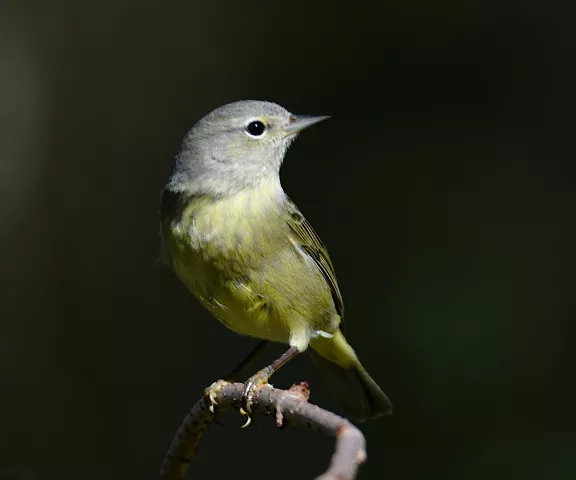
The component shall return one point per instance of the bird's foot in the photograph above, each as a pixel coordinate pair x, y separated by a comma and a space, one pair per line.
252, 384
212, 391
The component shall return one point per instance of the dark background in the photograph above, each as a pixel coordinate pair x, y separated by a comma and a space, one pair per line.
444, 186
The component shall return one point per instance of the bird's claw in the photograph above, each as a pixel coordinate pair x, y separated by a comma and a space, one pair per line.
247, 397
254, 382
248, 419
212, 391
247, 401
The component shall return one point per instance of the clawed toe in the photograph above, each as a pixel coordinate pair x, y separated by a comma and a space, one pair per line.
253, 383
248, 418
212, 391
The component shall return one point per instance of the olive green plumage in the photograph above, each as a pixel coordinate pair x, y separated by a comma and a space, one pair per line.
247, 253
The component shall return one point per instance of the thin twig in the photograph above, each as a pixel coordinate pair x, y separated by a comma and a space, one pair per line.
290, 407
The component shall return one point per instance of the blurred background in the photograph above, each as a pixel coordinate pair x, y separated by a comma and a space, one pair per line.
444, 186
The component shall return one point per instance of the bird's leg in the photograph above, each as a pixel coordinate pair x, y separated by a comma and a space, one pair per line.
261, 378
218, 385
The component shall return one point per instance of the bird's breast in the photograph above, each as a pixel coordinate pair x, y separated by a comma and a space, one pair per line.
246, 224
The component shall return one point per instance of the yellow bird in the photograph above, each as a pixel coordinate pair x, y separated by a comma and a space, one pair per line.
246, 252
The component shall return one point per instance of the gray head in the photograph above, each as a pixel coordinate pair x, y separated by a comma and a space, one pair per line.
234, 147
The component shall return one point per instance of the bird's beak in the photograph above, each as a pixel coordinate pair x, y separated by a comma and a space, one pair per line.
300, 122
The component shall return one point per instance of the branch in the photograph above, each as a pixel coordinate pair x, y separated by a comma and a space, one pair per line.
290, 407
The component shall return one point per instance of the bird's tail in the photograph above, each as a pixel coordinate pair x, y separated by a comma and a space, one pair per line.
358, 394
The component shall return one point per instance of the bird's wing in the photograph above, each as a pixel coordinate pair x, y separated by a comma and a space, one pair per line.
304, 235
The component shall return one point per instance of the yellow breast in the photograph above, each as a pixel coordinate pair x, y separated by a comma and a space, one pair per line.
221, 250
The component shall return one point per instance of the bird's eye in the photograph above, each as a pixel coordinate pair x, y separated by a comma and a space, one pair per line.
256, 128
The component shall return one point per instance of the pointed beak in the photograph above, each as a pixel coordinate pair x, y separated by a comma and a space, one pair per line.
300, 122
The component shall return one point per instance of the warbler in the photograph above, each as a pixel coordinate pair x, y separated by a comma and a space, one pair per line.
243, 248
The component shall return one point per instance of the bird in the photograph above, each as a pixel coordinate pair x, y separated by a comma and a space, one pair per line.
246, 252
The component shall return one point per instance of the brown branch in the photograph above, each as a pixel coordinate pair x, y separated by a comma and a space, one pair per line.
290, 407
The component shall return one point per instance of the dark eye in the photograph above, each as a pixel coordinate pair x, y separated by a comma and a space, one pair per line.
256, 128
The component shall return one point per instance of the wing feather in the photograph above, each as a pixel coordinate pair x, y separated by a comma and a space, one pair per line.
308, 240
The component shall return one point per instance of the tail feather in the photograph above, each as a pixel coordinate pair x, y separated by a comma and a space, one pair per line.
358, 394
